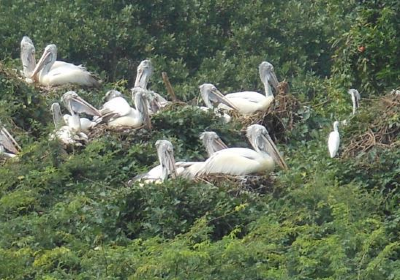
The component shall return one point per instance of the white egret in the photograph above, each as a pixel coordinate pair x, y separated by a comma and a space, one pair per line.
64, 73
243, 161
250, 102
355, 98
334, 140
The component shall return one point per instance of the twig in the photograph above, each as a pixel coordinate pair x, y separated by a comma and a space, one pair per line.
170, 90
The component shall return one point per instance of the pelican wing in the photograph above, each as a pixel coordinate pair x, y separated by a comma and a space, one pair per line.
117, 105
250, 96
233, 161
8, 141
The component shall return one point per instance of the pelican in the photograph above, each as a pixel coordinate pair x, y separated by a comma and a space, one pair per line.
28, 58
212, 142
160, 173
64, 73
334, 140
126, 116
144, 72
355, 98
8, 143
76, 105
210, 94
68, 134
116, 104
244, 161
250, 102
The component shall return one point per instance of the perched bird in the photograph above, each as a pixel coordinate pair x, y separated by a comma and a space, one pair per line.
144, 72
212, 142
166, 168
211, 95
355, 98
8, 146
334, 140
119, 113
68, 134
64, 73
244, 161
28, 59
250, 102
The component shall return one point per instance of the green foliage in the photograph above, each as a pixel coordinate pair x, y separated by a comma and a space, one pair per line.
69, 213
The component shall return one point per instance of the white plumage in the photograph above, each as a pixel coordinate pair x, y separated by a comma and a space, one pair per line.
63, 73
334, 140
243, 161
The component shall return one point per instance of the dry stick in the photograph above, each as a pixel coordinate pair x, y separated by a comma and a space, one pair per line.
169, 87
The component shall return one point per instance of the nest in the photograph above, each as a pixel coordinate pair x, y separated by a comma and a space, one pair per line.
280, 117
240, 184
381, 132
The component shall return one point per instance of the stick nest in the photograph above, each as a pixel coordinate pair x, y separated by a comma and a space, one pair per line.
383, 131
281, 117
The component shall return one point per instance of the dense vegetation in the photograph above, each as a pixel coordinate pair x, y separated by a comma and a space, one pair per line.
71, 214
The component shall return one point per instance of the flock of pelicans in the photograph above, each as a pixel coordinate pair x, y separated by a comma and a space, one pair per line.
72, 129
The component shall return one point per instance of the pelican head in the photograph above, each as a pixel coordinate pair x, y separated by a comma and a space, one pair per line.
57, 116
140, 96
211, 94
165, 152
144, 72
28, 56
75, 104
261, 141
47, 60
112, 94
212, 142
267, 74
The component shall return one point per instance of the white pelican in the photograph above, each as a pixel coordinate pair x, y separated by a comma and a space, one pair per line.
355, 98
76, 105
160, 173
28, 58
144, 72
334, 140
210, 94
116, 104
8, 143
212, 142
250, 102
64, 73
122, 115
243, 161
68, 134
